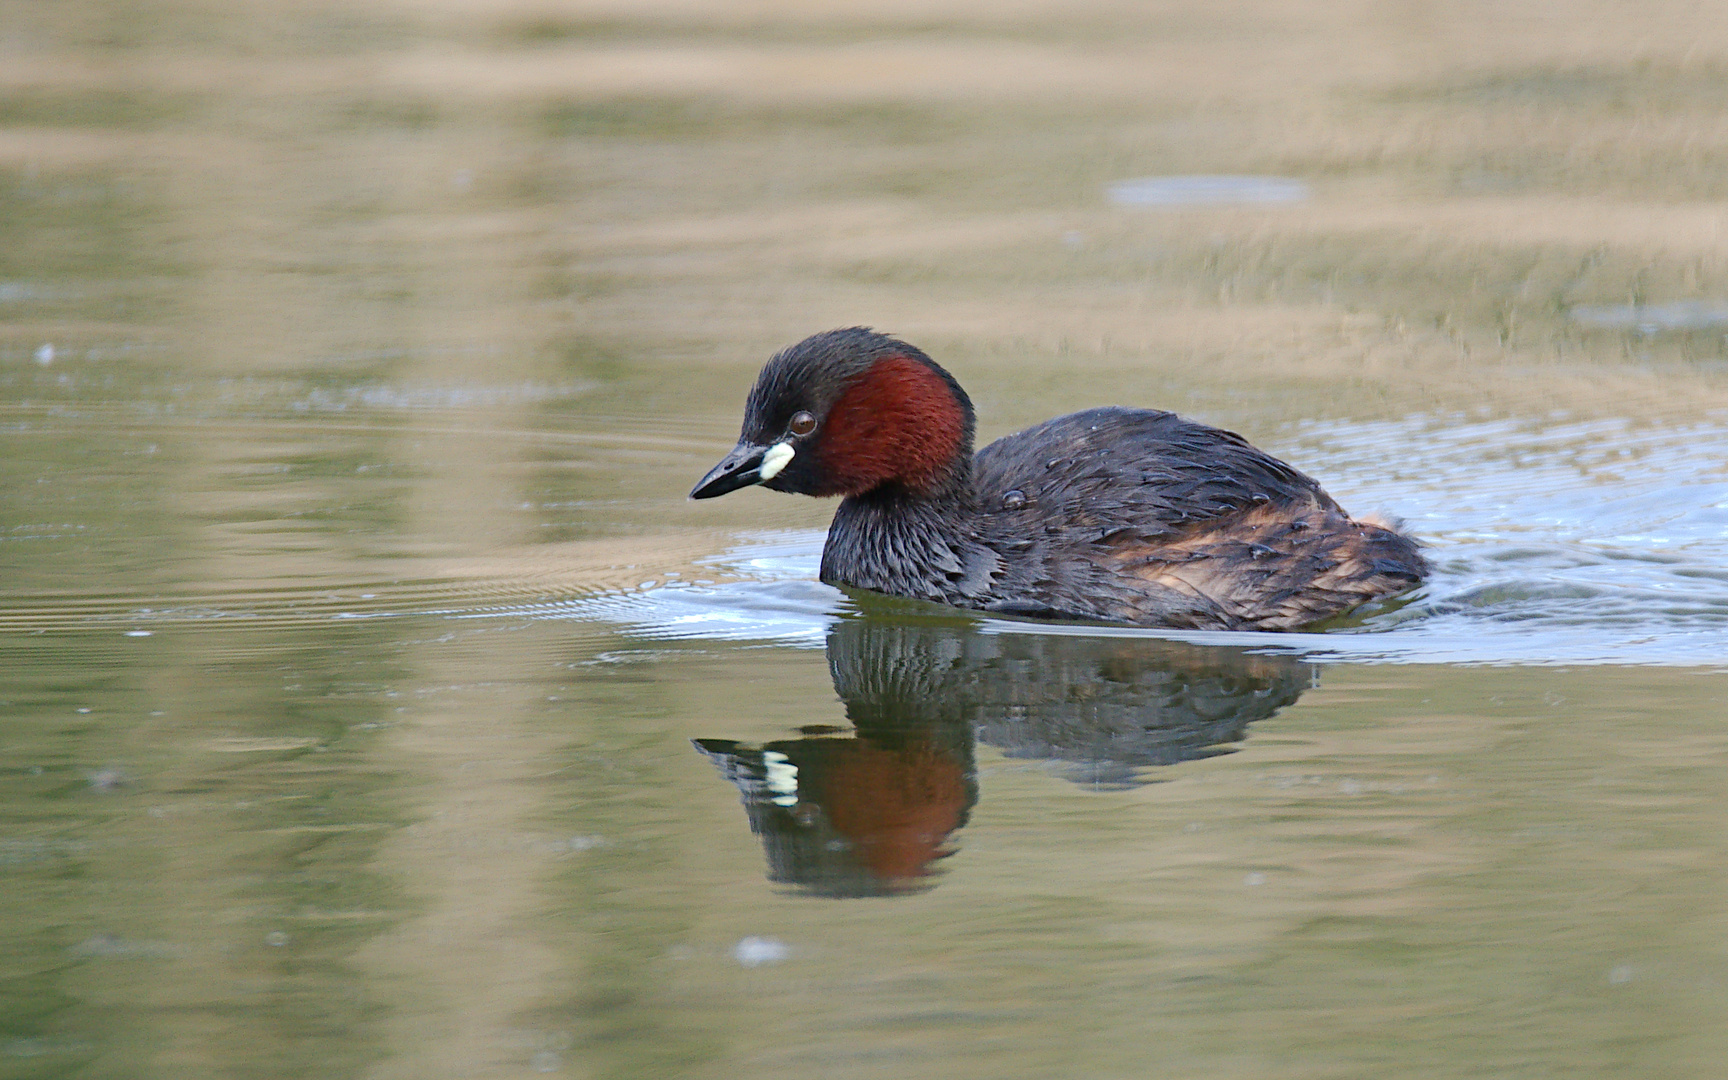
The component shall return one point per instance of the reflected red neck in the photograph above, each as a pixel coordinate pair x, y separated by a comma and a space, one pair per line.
898, 422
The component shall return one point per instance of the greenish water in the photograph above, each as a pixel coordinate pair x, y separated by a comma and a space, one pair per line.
372, 702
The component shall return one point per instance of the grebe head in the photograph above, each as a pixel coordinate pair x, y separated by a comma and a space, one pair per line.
847, 412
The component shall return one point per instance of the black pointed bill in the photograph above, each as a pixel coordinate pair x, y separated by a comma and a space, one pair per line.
741, 468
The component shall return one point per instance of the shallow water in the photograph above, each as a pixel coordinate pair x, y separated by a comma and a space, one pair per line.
372, 702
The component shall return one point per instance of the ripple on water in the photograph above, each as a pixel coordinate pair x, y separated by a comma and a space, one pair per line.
1171, 191
1553, 542
1653, 318
765, 589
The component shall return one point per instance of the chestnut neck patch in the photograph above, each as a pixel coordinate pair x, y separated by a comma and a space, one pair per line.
899, 421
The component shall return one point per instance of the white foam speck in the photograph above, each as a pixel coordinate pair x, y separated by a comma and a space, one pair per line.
757, 951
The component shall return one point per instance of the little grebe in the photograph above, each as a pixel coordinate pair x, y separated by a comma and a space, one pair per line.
1117, 515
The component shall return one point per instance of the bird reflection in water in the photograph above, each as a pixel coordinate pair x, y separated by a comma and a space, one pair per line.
870, 811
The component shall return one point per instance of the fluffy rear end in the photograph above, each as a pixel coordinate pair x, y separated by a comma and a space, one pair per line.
1271, 567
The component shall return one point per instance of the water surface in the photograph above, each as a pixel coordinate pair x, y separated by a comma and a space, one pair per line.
372, 702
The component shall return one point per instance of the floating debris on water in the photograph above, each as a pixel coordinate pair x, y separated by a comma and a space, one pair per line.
1207, 190
114, 947
107, 779
756, 951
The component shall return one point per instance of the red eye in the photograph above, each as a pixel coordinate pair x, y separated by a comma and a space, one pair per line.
802, 424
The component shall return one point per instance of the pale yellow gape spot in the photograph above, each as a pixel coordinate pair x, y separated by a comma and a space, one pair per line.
778, 457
